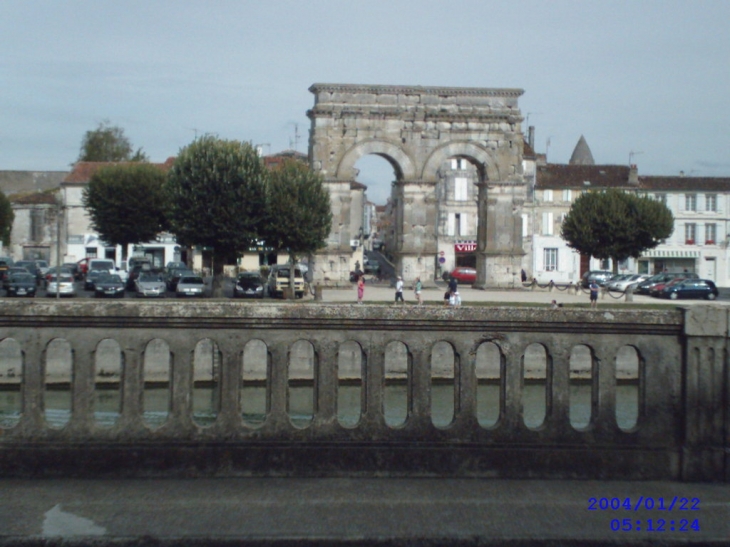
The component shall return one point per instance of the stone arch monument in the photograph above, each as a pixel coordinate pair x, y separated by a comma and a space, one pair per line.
416, 129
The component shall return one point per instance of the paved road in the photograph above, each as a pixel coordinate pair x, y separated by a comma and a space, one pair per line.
362, 511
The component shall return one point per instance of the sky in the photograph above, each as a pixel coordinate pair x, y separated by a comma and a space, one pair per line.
640, 79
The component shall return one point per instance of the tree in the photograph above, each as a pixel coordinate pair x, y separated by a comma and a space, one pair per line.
216, 197
126, 203
6, 219
108, 143
299, 211
615, 224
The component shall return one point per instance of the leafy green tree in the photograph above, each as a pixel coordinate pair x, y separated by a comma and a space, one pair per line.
108, 143
216, 197
126, 203
299, 211
616, 224
6, 219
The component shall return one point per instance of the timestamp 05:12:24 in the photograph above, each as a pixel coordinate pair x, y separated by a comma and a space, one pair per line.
655, 525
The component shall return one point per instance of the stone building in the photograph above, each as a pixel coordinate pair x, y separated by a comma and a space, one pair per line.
700, 205
418, 130
34, 235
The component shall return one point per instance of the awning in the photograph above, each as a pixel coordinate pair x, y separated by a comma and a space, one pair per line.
658, 253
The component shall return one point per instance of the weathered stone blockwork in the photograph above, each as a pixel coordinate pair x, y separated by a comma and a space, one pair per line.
416, 129
681, 432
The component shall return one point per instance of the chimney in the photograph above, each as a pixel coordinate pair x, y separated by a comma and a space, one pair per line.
531, 136
633, 175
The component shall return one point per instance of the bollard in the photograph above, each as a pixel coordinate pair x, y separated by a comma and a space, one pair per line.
318, 293
550, 286
629, 293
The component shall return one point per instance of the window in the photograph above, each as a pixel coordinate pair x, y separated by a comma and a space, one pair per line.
547, 224
37, 222
547, 195
711, 203
460, 224
662, 198
567, 195
690, 231
690, 202
457, 164
460, 188
451, 225
550, 260
710, 234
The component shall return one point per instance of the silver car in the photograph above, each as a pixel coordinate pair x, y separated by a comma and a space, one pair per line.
190, 286
149, 284
63, 288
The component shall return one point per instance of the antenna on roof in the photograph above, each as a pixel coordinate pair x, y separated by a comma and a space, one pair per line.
631, 156
294, 143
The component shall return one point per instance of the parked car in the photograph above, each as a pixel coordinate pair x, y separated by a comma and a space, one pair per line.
372, 267
599, 276
249, 285
53, 271
175, 266
645, 286
173, 277
5, 264
190, 285
657, 288
21, 284
278, 281
690, 288
109, 285
149, 284
29, 265
12, 271
62, 285
464, 274
628, 281
92, 277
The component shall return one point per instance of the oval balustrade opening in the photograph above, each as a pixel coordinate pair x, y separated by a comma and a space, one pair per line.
350, 392
628, 387
206, 382
11, 376
489, 369
534, 386
57, 396
156, 374
108, 369
396, 389
583, 388
301, 402
443, 386
254, 388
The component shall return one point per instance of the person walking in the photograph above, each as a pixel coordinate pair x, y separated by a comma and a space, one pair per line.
399, 290
594, 293
417, 290
360, 288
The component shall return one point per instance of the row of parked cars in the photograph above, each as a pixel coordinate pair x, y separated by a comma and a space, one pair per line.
672, 285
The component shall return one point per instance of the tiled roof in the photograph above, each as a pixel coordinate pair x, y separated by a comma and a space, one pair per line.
527, 151
555, 175
712, 184
34, 198
84, 170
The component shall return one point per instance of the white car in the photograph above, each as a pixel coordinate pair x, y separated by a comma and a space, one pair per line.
149, 284
190, 286
625, 283
64, 288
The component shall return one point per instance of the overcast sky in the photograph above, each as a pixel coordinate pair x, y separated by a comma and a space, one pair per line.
652, 77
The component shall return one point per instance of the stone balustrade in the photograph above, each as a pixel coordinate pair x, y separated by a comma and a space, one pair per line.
230, 389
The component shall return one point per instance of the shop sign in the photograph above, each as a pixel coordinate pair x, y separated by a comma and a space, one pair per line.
465, 247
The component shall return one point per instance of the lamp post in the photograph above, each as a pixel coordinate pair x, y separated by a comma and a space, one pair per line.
59, 213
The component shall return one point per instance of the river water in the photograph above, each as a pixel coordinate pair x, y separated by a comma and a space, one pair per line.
156, 402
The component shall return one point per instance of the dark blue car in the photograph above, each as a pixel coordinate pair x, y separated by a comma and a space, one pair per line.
690, 288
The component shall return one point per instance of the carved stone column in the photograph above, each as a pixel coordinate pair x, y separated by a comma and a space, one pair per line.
499, 234
416, 217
